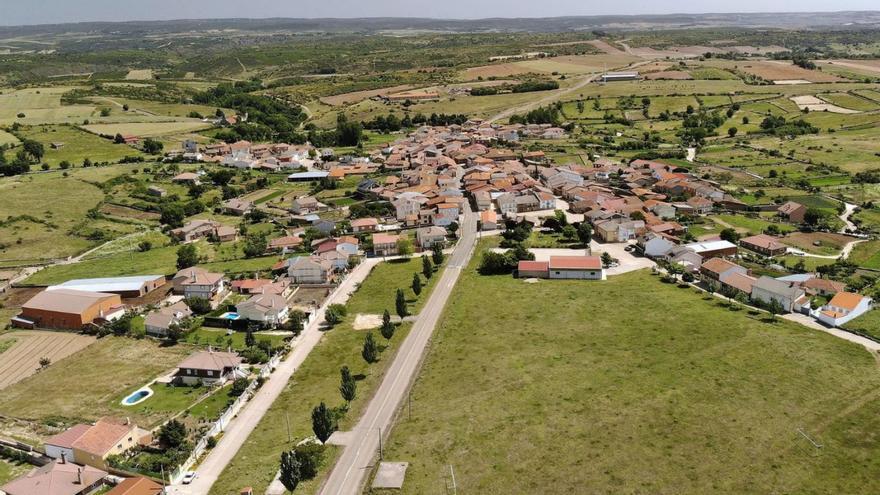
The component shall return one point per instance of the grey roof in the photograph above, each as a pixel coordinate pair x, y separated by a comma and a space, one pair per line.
109, 284
308, 175
777, 287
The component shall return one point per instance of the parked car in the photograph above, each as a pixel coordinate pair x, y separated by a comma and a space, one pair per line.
188, 477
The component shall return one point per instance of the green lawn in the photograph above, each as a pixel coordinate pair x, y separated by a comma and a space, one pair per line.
377, 292
866, 254
868, 323
166, 401
752, 225
633, 386
9, 470
217, 337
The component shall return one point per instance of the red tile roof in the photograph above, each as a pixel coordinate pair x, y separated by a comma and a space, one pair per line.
575, 263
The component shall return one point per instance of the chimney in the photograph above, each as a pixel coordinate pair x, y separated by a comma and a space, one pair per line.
127, 421
79, 476
63, 458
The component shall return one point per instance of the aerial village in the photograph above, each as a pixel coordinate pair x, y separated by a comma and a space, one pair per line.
615, 217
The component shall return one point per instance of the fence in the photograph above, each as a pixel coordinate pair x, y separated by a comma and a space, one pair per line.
223, 421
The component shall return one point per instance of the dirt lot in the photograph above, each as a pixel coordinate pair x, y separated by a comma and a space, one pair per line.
308, 297
804, 241
497, 70
23, 358
358, 96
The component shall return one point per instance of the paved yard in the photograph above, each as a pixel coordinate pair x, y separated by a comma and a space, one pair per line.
628, 262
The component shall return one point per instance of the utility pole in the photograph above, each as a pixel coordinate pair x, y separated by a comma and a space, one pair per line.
409, 403
380, 443
287, 417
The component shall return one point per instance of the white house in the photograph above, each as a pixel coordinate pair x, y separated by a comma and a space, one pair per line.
506, 204
768, 289
427, 237
843, 307
268, 309
307, 270
576, 267
655, 246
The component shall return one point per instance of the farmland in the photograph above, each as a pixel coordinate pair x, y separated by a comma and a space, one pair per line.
590, 389
22, 358
110, 366
76, 145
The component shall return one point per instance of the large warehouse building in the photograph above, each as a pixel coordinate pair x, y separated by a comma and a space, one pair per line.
68, 309
136, 286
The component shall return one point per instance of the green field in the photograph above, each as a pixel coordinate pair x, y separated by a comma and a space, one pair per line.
9, 470
868, 323
377, 292
633, 386
216, 337
78, 145
866, 254
147, 129
750, 225
109, 366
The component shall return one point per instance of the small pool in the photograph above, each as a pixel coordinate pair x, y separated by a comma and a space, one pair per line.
137, 396
230, 316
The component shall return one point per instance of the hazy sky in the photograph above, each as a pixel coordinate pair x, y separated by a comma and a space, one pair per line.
15, 12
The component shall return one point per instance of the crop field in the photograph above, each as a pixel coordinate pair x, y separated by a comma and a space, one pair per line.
109, 366
22, 359
775, 70
77, 145
39, 106
852, 150
850, 101
139, 75
568, 64
147, 129
669, 74
590, 390
358, 96
866, 255
829, 244
870, 67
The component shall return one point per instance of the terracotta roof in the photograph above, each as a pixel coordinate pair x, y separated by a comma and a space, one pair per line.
66, 438
102, 437
533, 266
137, 486
67, 300
364, 222
55, 478
575, 263
740, 281
824, 284
763, 241
846, 300
789, 208
718, 265
385, 239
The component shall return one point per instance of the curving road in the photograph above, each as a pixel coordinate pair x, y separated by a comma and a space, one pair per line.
362, 443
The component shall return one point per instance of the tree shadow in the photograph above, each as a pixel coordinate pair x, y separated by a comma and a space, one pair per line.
359, 377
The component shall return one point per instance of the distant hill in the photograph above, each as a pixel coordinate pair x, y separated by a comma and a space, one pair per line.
802, 20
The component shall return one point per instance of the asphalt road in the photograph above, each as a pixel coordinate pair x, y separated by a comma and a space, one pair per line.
241, 427
362, 445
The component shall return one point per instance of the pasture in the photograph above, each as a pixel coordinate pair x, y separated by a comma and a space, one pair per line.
147, 129
631, 385
76, 145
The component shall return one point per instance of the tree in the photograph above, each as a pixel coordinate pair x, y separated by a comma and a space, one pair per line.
775, 308
295, 322
290, 470
387, 329
198, 305
400, 304
255, 245
427, 267
732, 131
239, 386
334, 314
172, 434
34, 149
584, 233
172, 214
370, 352
437, 255
404, 247
729, 235
417, 284
569, 233
711, 287
187, 256
145, 246
322, 422
607, 259
152, 147
347, 386
118, 139
45, 362
249, 339
812, 217
452, 228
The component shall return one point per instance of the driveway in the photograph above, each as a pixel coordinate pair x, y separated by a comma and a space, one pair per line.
807, 321
627, 262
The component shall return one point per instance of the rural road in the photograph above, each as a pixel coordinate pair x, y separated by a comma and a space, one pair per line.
241, 427
351, 470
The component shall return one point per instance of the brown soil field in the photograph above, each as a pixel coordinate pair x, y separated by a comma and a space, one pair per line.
669, 74
358, 96
126, 212
23, 358
773, 70
606, 47
870, 66
805, 241
496, 70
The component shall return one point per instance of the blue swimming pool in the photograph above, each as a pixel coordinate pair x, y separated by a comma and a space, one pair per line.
137, 396
230, 316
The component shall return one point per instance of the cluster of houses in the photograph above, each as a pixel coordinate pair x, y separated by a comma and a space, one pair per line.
793, 293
